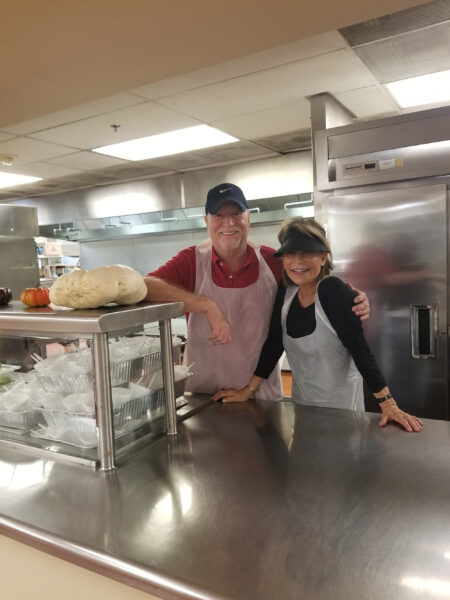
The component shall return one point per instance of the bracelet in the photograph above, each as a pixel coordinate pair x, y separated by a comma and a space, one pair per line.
383, 398
252, 389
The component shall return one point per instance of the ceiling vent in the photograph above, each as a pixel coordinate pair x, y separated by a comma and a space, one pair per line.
405, 44
409, 55
291, 141
397, 23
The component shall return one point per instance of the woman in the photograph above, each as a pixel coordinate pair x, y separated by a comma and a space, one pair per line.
324, 341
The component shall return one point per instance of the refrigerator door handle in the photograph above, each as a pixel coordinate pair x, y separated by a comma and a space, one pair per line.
424, 330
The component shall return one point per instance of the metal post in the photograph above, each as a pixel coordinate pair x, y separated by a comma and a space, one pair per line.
103, 402
326, 112
165, 330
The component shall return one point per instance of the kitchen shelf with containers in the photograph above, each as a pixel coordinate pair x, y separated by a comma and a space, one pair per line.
61, 405
56, 258
52, 267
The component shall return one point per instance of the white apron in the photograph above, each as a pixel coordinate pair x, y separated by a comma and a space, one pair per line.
323, 371
248, 311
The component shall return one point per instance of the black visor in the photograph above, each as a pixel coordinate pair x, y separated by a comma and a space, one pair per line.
295, 241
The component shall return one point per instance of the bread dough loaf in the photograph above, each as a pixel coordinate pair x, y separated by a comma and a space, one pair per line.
91, 289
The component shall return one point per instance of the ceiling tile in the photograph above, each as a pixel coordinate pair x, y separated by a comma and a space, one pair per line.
333, 72
367, 102
286, 53
409, 55
285, 142
102, 177
240, 150
80, 179
5, 136
29, 150
133, 169
180, 162
41, 187
46, 170
83, 178
87, 160
62, 184
271, 121
135, 122
75, 113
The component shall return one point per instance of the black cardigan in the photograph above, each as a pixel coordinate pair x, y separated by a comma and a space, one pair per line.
337, 301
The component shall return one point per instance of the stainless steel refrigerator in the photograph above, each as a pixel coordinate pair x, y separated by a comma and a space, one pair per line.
393, 244
389, 229
18, 268
18, 253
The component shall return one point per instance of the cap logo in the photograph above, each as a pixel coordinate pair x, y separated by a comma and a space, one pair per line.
224, 190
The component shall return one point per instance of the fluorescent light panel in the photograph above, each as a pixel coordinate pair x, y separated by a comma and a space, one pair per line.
425, 89
171, 142
8, 180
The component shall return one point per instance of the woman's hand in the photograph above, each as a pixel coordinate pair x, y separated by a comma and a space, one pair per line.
391, 412
233, 395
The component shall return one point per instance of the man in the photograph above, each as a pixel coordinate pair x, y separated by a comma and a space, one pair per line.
228, 286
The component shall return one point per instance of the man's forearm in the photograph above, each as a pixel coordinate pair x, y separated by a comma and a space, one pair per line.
160, 290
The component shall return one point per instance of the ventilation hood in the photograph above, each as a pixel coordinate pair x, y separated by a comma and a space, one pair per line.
263, 211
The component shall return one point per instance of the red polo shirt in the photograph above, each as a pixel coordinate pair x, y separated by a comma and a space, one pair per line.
180, 270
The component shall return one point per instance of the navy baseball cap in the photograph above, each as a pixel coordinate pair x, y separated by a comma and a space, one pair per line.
225, 192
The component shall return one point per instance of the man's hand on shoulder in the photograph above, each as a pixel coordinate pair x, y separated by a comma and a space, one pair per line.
361, 306
220, 328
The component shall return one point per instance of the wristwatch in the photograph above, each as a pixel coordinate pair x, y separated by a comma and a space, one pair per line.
383, 398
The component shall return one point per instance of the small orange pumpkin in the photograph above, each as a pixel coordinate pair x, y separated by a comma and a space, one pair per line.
38, 296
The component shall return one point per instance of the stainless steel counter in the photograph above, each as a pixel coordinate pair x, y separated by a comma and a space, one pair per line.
252, 502
17, 319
